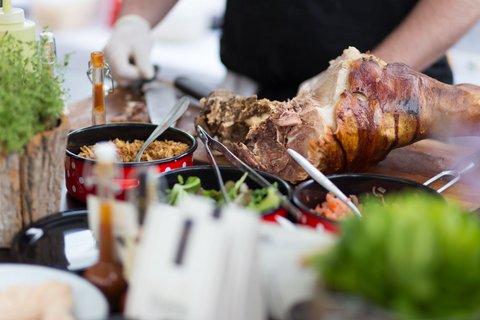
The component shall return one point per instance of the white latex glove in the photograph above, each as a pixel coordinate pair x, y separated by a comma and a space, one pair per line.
131, 40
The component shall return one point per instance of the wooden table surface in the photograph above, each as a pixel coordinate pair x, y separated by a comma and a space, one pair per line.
418, 162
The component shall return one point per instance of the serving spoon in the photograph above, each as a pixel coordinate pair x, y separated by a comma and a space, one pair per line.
323, 180
177, 110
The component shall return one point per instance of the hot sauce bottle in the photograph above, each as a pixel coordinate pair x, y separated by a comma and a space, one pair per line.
97, 70
107, 273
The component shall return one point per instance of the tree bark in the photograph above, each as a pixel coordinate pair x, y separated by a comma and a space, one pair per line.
31, 181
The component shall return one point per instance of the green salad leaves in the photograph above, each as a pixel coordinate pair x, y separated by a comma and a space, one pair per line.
259, 200
417, 255
31, 100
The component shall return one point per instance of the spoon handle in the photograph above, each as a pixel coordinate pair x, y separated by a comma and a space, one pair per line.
176, 112
322, 180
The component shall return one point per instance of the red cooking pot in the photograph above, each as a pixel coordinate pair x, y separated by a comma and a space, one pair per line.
79, 169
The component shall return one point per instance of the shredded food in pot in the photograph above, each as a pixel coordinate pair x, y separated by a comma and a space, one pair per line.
334, 208
127, 151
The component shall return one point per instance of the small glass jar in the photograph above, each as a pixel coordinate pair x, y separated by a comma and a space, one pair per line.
98, 71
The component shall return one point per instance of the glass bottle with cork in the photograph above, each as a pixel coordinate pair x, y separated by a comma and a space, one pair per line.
98, 70
48, 51
107, 273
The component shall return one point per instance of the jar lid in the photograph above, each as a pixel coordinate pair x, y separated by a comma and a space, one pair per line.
15, 15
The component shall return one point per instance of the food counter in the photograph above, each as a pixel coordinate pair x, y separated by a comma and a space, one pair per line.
418, 162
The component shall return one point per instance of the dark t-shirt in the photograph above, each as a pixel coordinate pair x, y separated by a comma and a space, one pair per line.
280, 43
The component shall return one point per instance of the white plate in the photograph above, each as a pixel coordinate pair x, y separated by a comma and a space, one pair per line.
89, 302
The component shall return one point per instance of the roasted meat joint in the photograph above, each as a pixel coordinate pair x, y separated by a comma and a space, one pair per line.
358, 110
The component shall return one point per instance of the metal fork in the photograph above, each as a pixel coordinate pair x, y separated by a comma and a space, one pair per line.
464, 165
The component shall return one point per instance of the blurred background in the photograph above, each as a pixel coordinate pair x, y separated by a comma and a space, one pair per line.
186, 40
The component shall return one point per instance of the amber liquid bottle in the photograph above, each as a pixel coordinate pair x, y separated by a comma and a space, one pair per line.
107, 273
97, 68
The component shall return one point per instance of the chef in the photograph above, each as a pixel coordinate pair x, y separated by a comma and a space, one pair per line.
271, 47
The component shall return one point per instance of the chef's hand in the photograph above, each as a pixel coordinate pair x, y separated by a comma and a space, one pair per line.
128, 50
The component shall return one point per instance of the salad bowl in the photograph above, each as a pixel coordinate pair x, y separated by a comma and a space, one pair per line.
209, 182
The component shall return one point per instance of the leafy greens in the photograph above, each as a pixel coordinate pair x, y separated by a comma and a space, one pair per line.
259, 200
416, 255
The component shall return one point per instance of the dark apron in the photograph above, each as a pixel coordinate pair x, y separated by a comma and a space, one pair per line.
281, 43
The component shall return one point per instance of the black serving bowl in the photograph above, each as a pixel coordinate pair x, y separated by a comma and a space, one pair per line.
209, 181
77, 168
62, 240
308, 194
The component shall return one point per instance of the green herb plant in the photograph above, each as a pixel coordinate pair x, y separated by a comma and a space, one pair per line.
417, 256
31, 99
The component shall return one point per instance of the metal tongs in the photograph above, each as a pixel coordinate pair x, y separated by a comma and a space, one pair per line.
464, 165
234, 160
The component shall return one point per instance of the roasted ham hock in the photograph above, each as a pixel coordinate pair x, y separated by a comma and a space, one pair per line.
359, 109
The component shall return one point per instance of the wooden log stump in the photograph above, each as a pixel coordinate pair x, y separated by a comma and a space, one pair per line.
31, 181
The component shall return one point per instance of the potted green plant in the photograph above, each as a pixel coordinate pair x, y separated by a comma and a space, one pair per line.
32, 137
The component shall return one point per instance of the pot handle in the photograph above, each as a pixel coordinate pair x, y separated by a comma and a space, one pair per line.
464, 165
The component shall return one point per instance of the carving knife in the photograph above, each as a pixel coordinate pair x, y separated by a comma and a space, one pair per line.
192, 87
159, 98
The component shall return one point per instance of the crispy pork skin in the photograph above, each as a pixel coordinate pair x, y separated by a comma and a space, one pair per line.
359, 109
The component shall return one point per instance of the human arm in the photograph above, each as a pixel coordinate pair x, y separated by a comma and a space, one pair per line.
128, 49
151, 10
430, 29
425, 34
